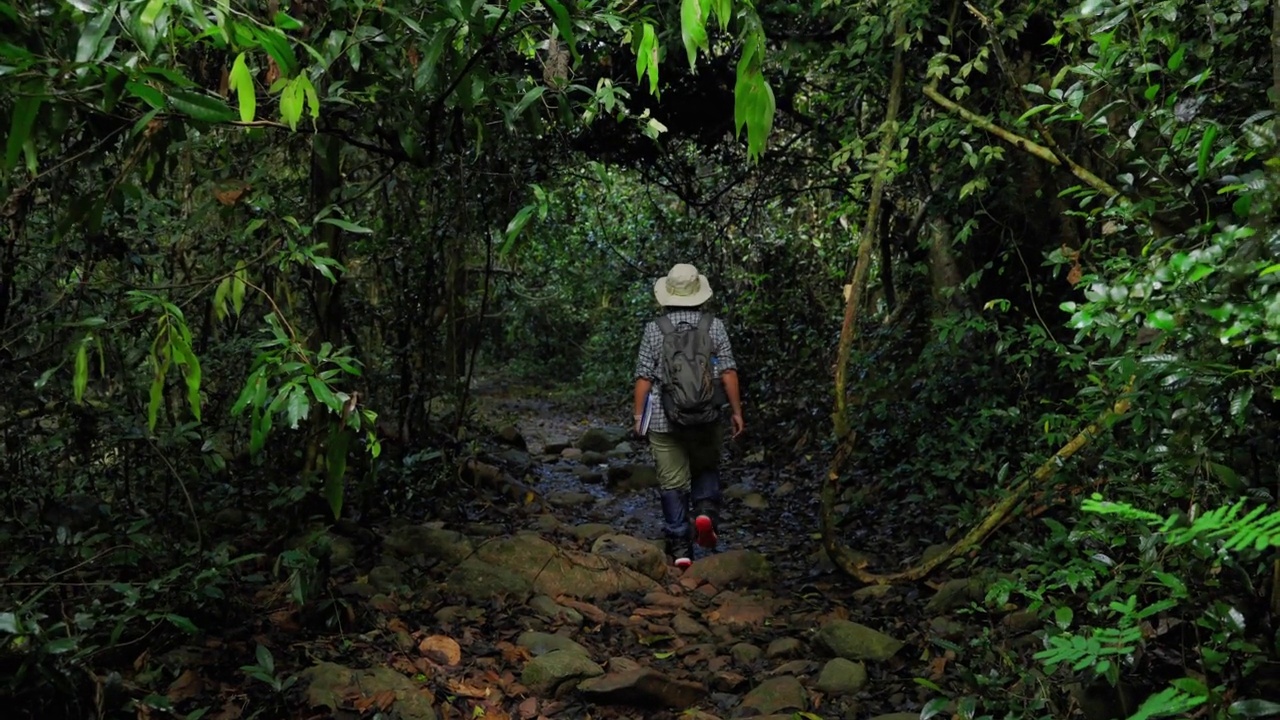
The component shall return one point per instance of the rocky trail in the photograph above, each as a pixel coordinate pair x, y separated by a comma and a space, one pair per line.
565, 607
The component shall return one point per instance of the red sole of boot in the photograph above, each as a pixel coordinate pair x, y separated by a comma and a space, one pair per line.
706, 533
683, 563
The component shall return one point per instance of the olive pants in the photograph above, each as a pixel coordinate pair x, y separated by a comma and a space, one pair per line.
686, 455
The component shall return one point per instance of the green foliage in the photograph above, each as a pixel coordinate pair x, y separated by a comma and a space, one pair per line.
1116, 626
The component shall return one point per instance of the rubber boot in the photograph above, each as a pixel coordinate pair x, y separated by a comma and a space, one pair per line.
705, 493
675, 513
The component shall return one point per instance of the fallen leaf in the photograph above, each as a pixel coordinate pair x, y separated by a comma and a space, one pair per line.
464, 689
382, 700
230, 196
1074, 275
231, 710
407, 666
514, 653
528, 709
185, 687
490, 711
285, 620
442, 649
938, 665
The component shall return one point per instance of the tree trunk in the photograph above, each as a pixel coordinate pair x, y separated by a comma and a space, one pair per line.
839, 554
944, 271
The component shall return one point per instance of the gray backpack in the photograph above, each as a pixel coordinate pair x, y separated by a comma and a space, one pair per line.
691, 395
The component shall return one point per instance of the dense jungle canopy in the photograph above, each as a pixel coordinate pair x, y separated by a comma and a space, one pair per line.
318, 323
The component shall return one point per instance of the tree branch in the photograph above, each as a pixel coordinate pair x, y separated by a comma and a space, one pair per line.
1022, 143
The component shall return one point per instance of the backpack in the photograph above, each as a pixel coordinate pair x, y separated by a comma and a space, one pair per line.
691, 393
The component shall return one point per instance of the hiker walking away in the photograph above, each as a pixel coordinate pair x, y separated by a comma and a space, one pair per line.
686, 377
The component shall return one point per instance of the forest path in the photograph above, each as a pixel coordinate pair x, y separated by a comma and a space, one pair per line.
556, 601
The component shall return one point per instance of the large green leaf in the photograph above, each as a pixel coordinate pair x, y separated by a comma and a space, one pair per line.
336, 465
693, 27
92, 34
201, 107
241, 83
25, 109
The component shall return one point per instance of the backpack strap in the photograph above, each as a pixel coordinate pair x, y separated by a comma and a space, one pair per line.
665, 325
704, 322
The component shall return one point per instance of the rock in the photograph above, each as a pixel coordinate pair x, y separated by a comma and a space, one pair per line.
569, 498
571, 453
555, 448
662, 599
342, 551
852, 641
548, 608
873, 592
591, 457
685, 625
947, 628
898, 716
540, 643
547, 523
755, 501
738, 611
745, 654
630, 478
622, 449
1022, 621
453, 613
731, 567
588, 475
736, 491
589, 611
590, 531
409, 540
622, 664
696, 655
509, 435
955, 594
644, 687
473, 469
479, 580
727, 681
597, 439
784, 647
545, 674
553, 571
385, 578
343, 690
640, 555
795, 667
517, 461
486, 530
358, 589
841, 677
784, 489
774, 696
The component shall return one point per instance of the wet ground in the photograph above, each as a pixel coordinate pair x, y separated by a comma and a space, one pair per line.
770, 510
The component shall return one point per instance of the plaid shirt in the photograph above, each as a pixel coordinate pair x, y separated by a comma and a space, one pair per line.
649, 363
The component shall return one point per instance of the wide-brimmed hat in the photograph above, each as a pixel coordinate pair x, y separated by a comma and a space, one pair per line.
682, 287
